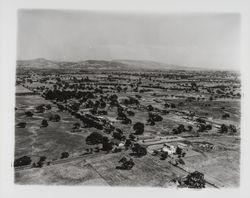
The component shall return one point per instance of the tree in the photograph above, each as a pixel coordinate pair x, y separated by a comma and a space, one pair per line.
190, 128
128, 143
44, 123
208, 127
117, 135
164, 155
172, 105
126, 121
152, 117
64, 155
181, 128
166, 105
21, 124
28, 114
200, 120
132, 137
94, 138
225, 116
130, 113
150, 108
55, 118
121, 116
40, 163
232, 128
138, 128
48, 106
223, 129
178, 150
22, 161
139, 150
195, 180
126, 164
40, 108
76, 125
202, 127
106, 144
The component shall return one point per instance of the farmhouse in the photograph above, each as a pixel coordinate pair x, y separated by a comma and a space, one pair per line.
168, 148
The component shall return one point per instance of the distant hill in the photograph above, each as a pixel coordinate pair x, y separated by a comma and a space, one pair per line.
41, 63
37, 63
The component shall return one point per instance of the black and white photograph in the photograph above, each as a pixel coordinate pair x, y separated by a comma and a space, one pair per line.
109, 98
127, 99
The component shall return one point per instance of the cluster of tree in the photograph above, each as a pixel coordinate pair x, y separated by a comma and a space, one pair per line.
97, 138
122, 116
153, 117
22, 161
41, 108
139, 150
180, 152
200, 120
170, 105
64, 95
228, 129
118, 134
126, 164
95, 105
95, 111
179, 129
89, 121
204, 127
130, 101
193, 180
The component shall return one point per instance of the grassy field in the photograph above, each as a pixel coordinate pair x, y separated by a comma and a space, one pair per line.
50, 141
222, 163
101, 171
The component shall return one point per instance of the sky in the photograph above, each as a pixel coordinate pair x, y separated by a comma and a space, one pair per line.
195, 40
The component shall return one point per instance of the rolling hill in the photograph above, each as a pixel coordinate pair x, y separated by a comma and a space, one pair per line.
41, 63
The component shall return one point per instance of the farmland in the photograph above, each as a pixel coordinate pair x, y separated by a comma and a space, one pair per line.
59, 109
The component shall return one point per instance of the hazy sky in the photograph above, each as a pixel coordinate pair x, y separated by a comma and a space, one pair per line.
197, 40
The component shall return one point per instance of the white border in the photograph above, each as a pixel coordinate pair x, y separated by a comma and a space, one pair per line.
8, 35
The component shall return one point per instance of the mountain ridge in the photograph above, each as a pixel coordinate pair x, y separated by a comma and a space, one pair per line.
127, 64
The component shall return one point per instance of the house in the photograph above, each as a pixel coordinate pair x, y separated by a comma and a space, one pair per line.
170, 149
